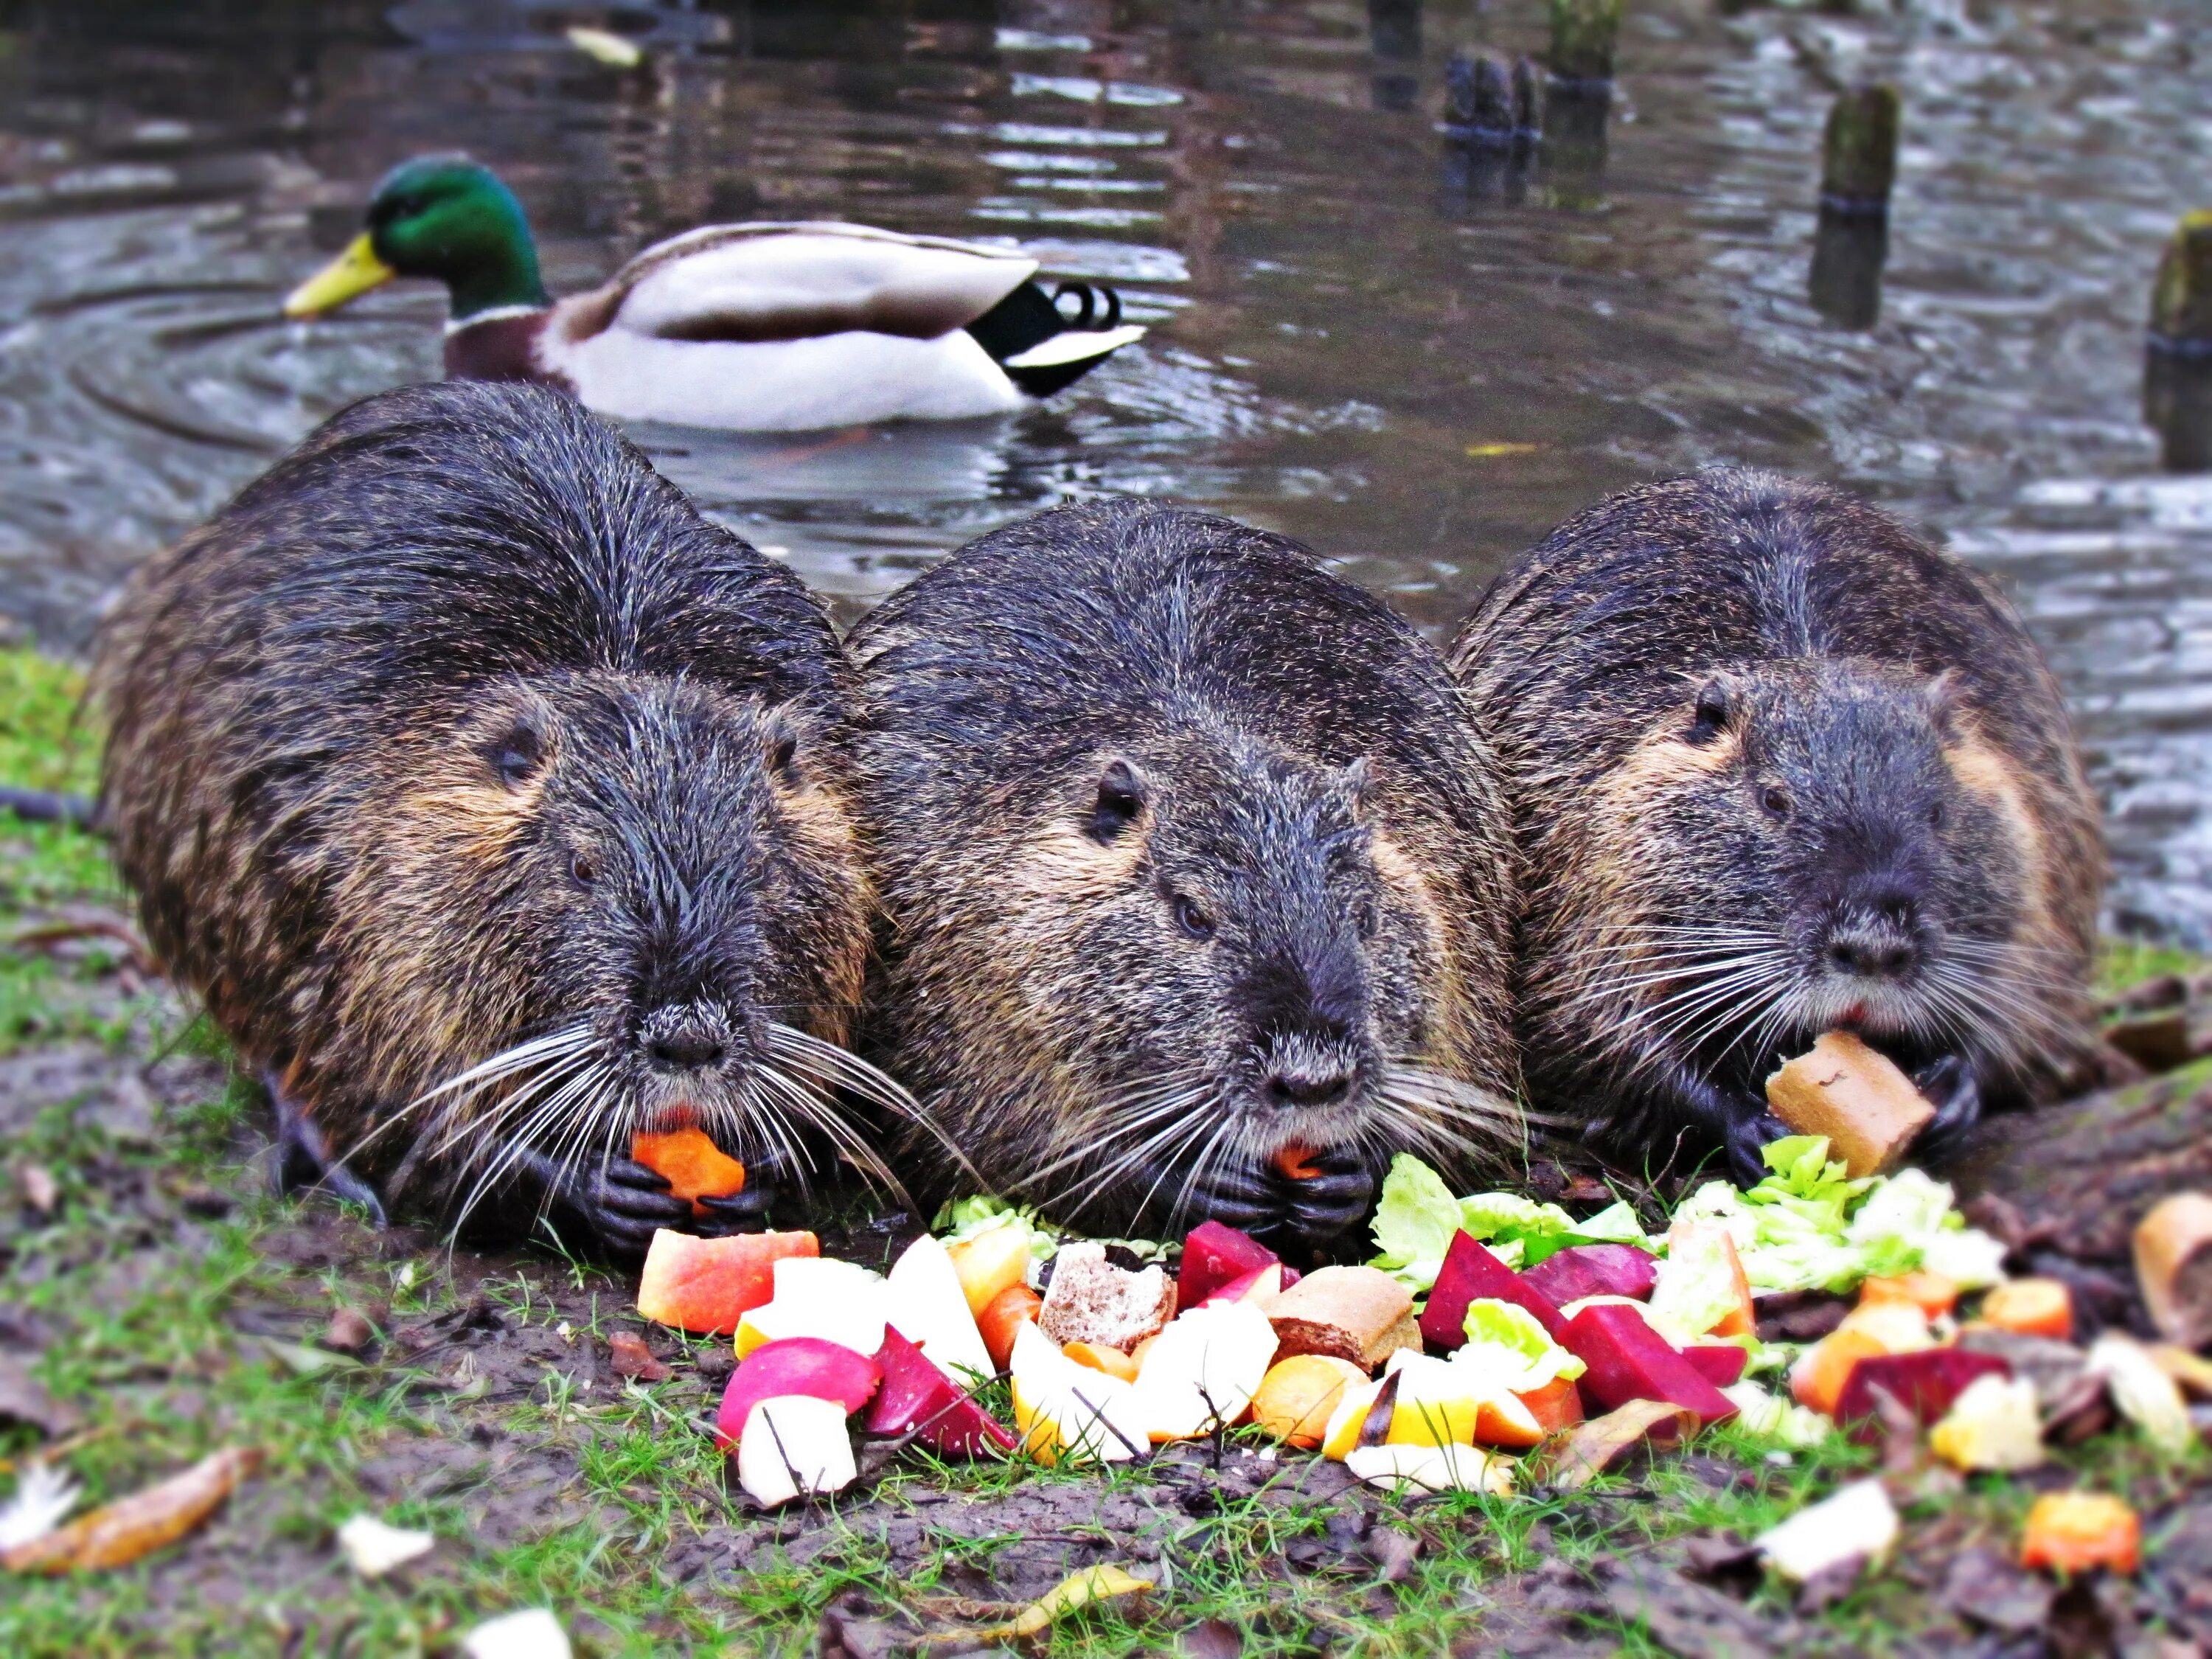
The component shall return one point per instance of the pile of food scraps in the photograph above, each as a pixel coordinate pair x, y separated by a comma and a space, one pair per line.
1493, 1344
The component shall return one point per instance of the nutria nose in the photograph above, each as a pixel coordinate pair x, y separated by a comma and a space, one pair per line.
1309, 1085
1881, 951
689, 1047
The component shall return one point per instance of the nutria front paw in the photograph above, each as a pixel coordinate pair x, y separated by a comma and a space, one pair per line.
1955, 1089
1243, 1197
622, 1204
1750, 1128
1329, 1202
746, 1211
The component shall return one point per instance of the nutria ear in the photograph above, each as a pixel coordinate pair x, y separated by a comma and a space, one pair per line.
783, 733
1712, 710
1121, 792
1348, 788
1945, 699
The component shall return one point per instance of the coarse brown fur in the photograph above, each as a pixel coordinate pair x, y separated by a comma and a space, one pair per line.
1189, 853
1776, 765
460, 731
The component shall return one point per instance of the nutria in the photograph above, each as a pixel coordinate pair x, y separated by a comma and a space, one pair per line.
494, 803
1777, 766
1190, 858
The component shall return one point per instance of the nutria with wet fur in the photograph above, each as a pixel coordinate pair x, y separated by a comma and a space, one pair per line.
494, 803
1777, 766
1189, 853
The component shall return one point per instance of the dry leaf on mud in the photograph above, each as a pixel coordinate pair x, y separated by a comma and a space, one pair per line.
1597, 1445
1078, 1590
25, 1400
118, 1533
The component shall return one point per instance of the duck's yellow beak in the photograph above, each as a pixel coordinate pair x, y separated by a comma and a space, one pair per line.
349, 277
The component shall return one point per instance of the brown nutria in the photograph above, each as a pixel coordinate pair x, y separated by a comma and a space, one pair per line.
1189, 855
1777, 767
496, 804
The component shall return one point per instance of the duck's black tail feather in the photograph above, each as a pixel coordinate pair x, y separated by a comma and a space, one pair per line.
1014, 330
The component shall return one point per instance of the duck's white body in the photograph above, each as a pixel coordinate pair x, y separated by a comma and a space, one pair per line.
783, 328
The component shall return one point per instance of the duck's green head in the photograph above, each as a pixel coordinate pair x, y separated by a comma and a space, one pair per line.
437, 215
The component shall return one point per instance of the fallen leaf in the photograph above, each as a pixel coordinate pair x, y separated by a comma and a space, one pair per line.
534, 1633
1490, 452
374, 1548
24, 1399
306, 1361
40, 1190
349, 1331
1210, 1638
1078, 1590
630, 1357
1596, 1445
44, 1494
118, 1533
2191, 1372
1985, 1587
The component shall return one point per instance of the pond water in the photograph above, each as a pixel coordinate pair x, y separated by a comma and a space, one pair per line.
1415, 360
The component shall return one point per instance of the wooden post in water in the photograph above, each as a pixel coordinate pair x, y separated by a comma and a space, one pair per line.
1858, 166
1582, 36
2178, 354
1858, 153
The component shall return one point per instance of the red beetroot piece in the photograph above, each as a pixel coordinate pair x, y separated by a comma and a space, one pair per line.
1582, 1270
795, 1364
917, 1397
1927, 1382
1720, 1363
1215, 1255
1471, 1273
1628, 1360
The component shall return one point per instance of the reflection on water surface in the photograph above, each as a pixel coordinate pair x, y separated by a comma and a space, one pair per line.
1416, 358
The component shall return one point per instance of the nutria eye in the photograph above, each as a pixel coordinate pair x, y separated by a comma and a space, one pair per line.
1191, 920
516, 755
1774, 803
581, 870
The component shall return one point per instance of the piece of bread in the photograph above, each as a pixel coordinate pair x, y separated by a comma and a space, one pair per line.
1358, 1314
1091, 1300
2173, 1264
1855, 1095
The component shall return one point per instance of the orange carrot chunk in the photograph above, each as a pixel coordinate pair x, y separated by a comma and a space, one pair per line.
2074, 1531
695, 1167
2032, 1307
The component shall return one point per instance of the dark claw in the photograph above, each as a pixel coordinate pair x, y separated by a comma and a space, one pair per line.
1324, 1206
744, 1212
1748, 1130
620, 1204
1953, 1086
304, 1160
1240, 1198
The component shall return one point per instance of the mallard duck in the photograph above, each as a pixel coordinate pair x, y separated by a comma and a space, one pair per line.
748, 327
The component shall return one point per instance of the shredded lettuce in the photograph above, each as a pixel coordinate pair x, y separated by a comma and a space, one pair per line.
1417, 1216
1507, 1343
1697, 1285
965, 1218
1414, 1221
1616, 1224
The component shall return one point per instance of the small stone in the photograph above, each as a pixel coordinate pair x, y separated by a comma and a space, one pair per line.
349, 1331
41, 1192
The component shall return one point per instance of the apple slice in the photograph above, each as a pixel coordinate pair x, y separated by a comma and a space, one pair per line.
1628, 1360
1927, 1382
1299, 1394
794, 1444
929, 1305
1556, 1406
1202, 1370
1586, 1270
918, 1398
707, 1285
1012, 1308
1440, 1403
1065, 1411
796, 1365
1215, 1255
820, 1296
995, 1260
1470, 1273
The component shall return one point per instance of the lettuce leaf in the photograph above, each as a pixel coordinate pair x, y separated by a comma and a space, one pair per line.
1508, 1344
1414, 1221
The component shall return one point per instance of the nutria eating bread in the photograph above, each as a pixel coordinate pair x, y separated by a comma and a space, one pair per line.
1190, 860
494, 802
1777, 767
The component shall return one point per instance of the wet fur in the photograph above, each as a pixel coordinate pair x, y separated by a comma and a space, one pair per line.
306, 696
1030, 978
1863, 662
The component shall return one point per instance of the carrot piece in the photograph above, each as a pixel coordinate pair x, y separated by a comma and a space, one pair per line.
1297, 1162
1818, 1377
2074, 1531
695, 1166
2030, 1307
1557, 1406
1003, 1315
1931, 1293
